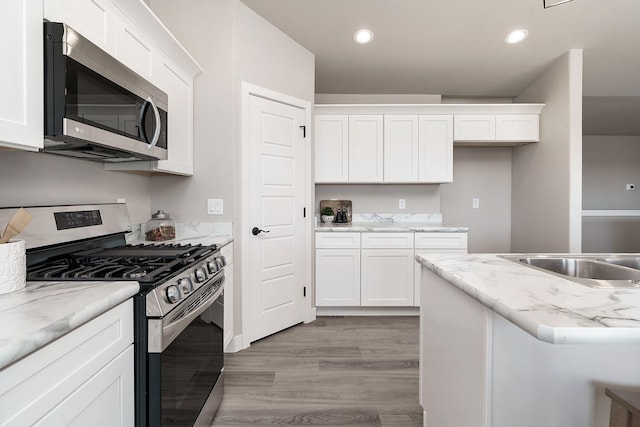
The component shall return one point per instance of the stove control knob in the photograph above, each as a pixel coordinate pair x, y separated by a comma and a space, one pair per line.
212, 267
186, 286
173, 294
200, 274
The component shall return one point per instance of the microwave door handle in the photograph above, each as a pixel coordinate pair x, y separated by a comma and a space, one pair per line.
143, 113
156, 134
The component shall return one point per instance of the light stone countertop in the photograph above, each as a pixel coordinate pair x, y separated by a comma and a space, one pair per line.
546, 306
44, 311
397, 227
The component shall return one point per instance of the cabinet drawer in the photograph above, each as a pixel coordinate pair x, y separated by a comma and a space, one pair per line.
387, 240
338, 240
441, 241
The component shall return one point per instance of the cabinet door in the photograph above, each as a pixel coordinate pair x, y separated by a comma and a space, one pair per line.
106, 399
178, 85
94, 19
436, 148
338, 277
387, 277
365, 148
517, 127
400, 148
21, 82
474, 127
331, 148
135, 50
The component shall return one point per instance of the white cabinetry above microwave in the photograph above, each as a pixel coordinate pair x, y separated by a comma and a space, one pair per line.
21, 82
411, 143
133, 35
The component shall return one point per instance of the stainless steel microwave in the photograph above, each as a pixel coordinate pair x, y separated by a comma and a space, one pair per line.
95, 107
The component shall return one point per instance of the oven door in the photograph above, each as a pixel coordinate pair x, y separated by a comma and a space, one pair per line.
184, 376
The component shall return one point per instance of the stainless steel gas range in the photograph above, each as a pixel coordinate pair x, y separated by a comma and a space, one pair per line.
179, 361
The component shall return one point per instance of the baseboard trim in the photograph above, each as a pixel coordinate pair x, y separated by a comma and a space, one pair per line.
235, 345
368, 311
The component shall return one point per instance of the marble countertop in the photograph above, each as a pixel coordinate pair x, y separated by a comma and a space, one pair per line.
44, 311
550, 308
391, 227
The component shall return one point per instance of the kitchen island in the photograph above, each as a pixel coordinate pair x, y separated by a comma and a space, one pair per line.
506, 345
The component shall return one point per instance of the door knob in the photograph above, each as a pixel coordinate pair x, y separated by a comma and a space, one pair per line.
255, 231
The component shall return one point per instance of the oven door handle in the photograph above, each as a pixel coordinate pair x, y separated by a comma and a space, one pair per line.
171, 331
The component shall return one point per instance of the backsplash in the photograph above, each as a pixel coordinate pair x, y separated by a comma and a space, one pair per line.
187, 230
431, 218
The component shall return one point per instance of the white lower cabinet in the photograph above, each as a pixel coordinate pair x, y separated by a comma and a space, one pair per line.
338, 277
84, 378
372, 269
387, 277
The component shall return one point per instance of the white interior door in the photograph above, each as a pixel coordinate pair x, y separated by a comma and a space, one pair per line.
277, 200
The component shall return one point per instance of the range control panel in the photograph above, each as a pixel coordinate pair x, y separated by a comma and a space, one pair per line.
77, 219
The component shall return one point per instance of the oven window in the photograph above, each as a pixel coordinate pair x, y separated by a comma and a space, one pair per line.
190, 367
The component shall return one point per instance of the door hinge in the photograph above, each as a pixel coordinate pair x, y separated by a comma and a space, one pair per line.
304, 131
304, 291
304, 212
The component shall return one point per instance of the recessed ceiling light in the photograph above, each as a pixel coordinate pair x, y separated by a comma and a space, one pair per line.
516, 36
363, 36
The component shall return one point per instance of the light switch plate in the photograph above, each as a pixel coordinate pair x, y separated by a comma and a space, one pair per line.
215, 206
475, 203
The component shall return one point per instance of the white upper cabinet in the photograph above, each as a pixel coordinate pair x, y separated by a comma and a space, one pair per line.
518, 127
401, 148
435, 150
475, 127
332, 148
411, 143
135, 50
21, 81
94, 19
365, 148
499, 129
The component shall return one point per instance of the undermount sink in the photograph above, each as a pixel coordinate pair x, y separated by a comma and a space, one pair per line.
592, 271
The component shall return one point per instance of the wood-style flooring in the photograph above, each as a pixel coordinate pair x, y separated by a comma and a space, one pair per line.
336, 371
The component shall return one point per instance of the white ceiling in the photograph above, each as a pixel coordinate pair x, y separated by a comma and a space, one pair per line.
456, 47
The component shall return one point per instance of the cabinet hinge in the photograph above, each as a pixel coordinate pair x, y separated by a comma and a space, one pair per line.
304, 131
304, 291
304, 212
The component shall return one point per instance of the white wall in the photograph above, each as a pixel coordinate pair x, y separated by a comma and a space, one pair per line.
205, 28
483, 173
547, 176
608, 164
30, 179
376, 198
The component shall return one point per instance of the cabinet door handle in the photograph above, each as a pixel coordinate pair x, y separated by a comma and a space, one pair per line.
255, 231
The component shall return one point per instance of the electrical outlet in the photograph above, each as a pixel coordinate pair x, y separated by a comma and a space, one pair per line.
215, 206
631, 187
475, 204
402, 204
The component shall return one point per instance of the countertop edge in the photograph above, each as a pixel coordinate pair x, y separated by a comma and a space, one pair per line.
14, 349
540, 331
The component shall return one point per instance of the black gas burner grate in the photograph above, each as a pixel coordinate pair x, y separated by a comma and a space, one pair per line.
148, 264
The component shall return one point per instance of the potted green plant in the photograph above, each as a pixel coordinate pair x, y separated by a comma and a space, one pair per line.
327, 214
